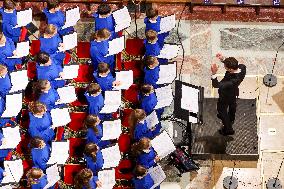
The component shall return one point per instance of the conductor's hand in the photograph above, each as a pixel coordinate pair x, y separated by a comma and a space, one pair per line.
220, 56
214, 68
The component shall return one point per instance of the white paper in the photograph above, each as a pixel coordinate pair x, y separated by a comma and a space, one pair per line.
70, 71
163, 144
112, 101
70, 41
13, 105
14, 171
126, 79
24, 17
116, 46
167, 23
152, 120
7, 187
19, 80
164, 96
52, 176
22, 49
107, 178
157, 174
67, 94
60, 117
59, 152
72, 17
111, 129
122, 19
111, 156
169, 51
11, 136
167, 73
189, 99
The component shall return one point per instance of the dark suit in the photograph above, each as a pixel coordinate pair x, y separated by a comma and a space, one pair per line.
228, 91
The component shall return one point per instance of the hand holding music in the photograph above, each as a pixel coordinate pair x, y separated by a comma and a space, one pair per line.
214, 68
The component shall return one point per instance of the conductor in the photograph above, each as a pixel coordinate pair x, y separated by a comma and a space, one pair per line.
228, 91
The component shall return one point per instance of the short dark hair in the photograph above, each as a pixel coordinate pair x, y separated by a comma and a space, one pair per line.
42, 58
150, 60
51, 4
93, 88
151, 35
103, 67
9, 4
231, 63
151, 13
146, 88
35, 142
103, 9
140, 171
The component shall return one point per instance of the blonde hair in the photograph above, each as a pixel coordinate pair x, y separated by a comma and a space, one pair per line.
50, 29
102, 33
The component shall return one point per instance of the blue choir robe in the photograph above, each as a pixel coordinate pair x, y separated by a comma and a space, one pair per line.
92, 183
40, 157
104, 82
49, 98
5, 86
141, 130
145, 182
98, 51
97, 165
107, 22
40, 183
148, 103
1, 174
151, 76
92, 137
3, 152
50, 46
9, 21
153, 26
41, 127
57, 19
147, 159
2, 105
95, 103
7, 51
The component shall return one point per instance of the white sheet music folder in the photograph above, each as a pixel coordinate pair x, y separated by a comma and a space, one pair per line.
111, 129
152, 120
59, 152
163, 144
167, 23
122, 19
11, 133
67, 94
111, 156
167, 73
19, 80
70, 71
112, 101
116, 46
107, 178
60, 117
189, 99
52, 176
157, 174
13, 105
24, 17
22, 49
14, 170
126, 79
72, 17
169, 51
164, 96
70, 41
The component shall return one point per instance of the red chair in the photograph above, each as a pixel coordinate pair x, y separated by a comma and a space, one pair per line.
131, 94
81, 99
85, 73
125, 116
35, 47
135, 47
25, 119
77, 120
31, 68
83, 50
136, 66
124, 143
76, 147
67, 58
70, 171
23, 147
124, 164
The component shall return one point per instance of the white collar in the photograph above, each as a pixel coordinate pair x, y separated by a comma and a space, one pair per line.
3, 76
153, 21
8, 11
37, 116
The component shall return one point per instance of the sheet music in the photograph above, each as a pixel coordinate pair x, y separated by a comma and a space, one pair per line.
116, 46
157, 174
11, 133
60, 117
70, 41
163, 144
67, 94
126, 79
14, 171
164, 96
111, 156
52, 176
13, 105
6, 187
152, 120
22, 49
59, 152
111, 129
189, 99
122, 19
24, 17
167, 73
167, 23
19, 80
70, 71
169, 51
72, 17
107, 178
112, 101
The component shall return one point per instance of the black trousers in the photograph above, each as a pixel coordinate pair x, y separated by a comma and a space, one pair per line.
226, 112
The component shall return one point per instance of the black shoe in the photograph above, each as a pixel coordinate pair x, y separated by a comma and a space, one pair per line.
225, 133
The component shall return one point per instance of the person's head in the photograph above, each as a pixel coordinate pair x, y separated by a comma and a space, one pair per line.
231, 64
101, 35
3, 70
9, 5
151, 36
43, 59
104, 10
91, 150
103, 69
151, 62
39, 87
135, 117
140, 171
53, 5
33, 175
94, 89
143, 145
37, 108
152, 13
37, 142
147, 89
92, 121
50, 30
82, 179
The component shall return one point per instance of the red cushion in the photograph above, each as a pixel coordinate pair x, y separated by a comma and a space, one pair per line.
59, 133
35, 47
31, 70
131, 94
81, 99
67, 58
23, 147
135, 47
124, 143
25, 119
118, 61
77, 120
125, 163
85, 73
135, 66
70, 171
83, 50
76, 147
23, 34
125, 116
27, 165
